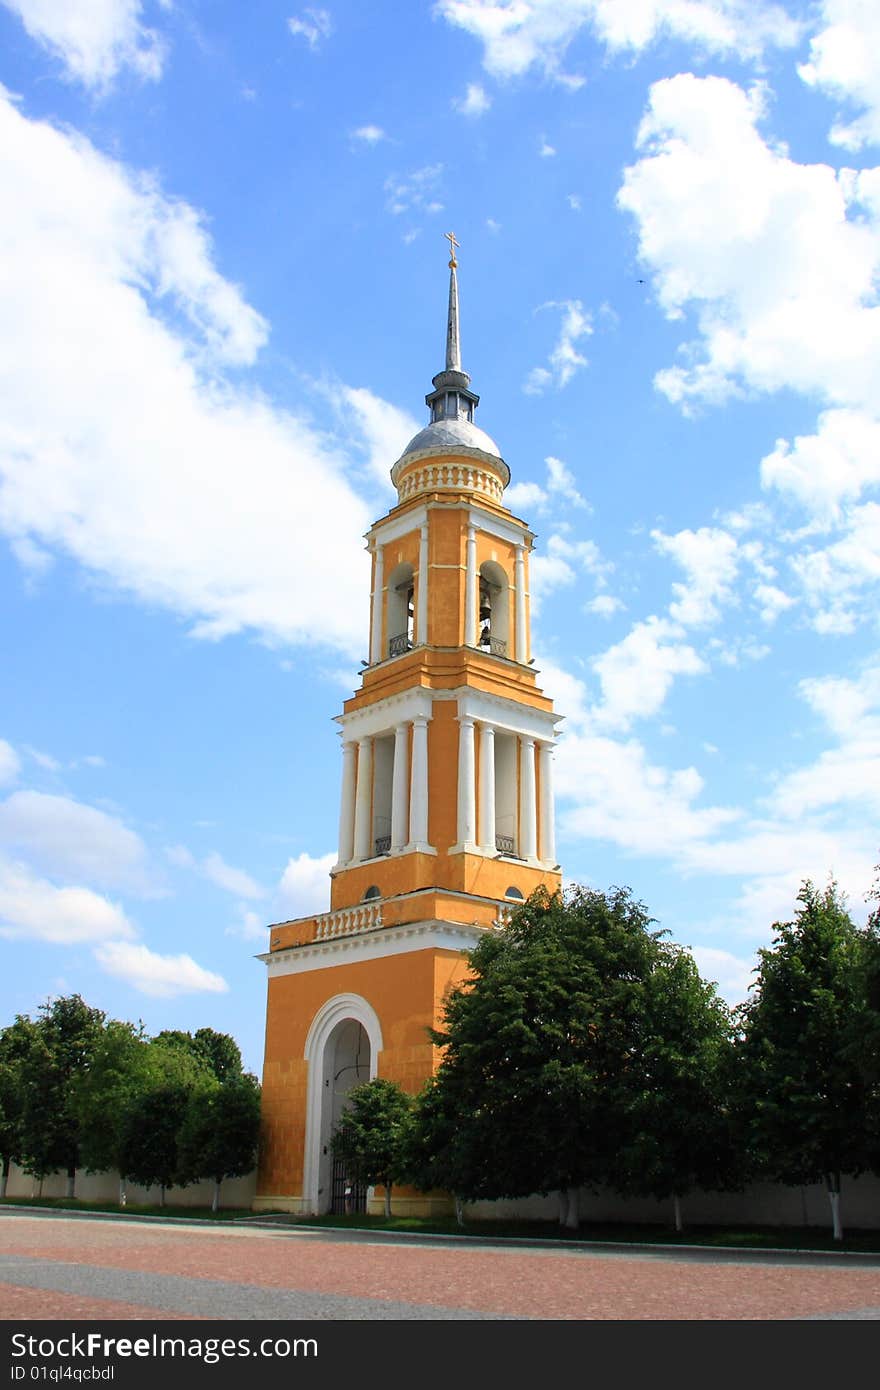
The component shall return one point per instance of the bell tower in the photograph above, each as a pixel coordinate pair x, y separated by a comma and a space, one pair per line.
446, 807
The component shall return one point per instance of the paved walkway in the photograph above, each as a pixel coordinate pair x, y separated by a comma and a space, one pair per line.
73, 1268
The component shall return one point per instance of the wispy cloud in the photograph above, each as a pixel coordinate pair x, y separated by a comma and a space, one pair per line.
313, 25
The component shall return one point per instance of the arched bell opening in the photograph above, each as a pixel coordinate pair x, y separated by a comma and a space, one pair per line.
493, 613
346, 1064
401, 610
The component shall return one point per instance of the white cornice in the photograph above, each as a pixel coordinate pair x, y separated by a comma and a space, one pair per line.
515, 532
374, 945
382, 715
384, 532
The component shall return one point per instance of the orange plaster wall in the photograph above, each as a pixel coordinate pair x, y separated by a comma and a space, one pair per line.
403, 992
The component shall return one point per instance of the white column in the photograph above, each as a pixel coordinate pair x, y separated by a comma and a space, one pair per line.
528, 844
467, 791
547, 817
418, 801
422, 614
400, 788
363, 820
487, 788
520, 581
470, 590
346, 804
376, 624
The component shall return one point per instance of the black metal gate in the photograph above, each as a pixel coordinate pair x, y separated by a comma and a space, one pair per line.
346, 1197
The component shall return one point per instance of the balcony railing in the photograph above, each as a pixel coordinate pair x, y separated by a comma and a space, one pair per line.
383, 844
400, 644
505, 844
348, 921
495, 646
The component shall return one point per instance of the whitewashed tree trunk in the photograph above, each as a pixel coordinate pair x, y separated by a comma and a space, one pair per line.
4, 1180
162, 1195
387, 1201
572, 1215
215, 1201
71, 1182
122, 1193
832, 1181
459, 1211
676, 1207
563, 1205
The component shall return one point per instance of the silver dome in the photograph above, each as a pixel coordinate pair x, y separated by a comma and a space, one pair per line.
452, 434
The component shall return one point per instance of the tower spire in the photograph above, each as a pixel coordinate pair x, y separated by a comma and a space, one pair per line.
453, 343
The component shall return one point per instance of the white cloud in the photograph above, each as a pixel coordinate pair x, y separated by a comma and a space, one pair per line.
32, 908
520, 34
604, 605
771, 601
369, 134
122, 443
546, 151
304, 886
217, 871
249, 927
382, 430
825, 470
94, 39
160, 977
840, 580
415, 192
574, 202
10, 764
475, 101
564, 359
845, 64
732, 974
777, 258
560, 480
709, 559
524, 498
313, 25
560, 483
850, 772
637, 673
67, 839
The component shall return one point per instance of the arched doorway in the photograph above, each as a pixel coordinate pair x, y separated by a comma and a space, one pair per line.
342, 1049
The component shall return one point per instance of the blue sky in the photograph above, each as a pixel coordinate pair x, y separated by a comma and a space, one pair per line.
222, 299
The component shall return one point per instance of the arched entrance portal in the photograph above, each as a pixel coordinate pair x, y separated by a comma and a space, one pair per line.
342, 1051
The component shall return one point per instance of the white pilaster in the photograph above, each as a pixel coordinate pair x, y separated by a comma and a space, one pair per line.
418, 802
467, 791
470, 590
400, 788
487, 788
363, 827
422, 614
547, 817
520, 585
528, 841
346, 804
376, 624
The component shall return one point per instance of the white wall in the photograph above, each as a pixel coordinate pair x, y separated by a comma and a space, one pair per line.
104, 1187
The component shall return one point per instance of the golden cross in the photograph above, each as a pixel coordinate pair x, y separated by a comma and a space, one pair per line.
450, 237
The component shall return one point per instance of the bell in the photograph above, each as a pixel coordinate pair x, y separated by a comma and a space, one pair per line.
485, 613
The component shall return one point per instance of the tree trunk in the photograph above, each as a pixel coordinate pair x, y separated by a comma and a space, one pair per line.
676, 1207
459, 1211
71, 1182
563, 1205
4, 1178
162, 1194
215, 1201
572, 1215
388, 1201
122, 1194
832, 1182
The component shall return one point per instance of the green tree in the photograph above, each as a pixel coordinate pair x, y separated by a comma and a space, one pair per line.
122, 1067
803, 1086
219, 1051
219, 1133
682, 1132
16, 1042
543, 1048
66, 1036
370, 1135
154, 1114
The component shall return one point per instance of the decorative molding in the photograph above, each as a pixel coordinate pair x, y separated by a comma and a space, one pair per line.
383, 716
431, 934
449, 475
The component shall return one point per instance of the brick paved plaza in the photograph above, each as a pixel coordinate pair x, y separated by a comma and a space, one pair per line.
78, 1268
